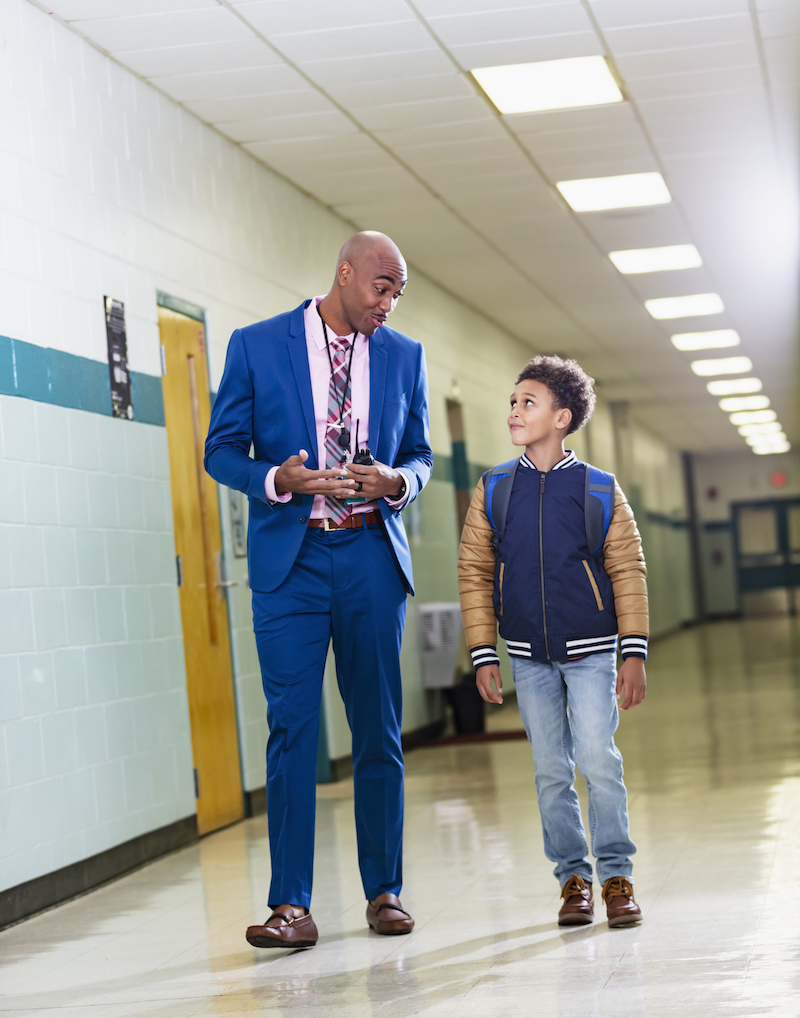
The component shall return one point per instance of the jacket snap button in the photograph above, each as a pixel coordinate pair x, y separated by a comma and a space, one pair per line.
303, 519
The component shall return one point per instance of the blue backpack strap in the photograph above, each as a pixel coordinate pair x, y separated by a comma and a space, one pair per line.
598, 507
497, 485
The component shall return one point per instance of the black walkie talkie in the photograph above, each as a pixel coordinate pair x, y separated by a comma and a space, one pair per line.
363, 457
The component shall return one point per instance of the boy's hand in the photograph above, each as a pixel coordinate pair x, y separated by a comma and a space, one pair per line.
631, 682
484, 677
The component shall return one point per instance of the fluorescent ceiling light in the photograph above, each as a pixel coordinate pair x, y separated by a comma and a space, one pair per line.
549, 84
722, 366
769, 450
628, 191
744, 403
657, 259
760, 429
778, 438
753, 417
731, 386
705, 340
685, 307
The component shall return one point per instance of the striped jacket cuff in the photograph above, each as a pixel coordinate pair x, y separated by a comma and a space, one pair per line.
484, 656
633, 646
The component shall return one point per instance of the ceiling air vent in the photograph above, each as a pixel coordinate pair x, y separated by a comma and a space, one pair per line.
439, 640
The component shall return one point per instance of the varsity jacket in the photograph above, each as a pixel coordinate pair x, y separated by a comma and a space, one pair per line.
553, 600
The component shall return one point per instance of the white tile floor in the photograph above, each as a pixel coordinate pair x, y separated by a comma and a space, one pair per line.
713, 768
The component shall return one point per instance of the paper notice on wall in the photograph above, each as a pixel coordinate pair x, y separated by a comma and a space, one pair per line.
121, 403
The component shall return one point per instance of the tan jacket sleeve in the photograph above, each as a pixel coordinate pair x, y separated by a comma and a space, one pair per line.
625, 565
476, 568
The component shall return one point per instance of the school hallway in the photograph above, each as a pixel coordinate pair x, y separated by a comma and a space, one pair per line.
714, 778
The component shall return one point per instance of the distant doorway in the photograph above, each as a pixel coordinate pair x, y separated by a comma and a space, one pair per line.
767, 542
198, 546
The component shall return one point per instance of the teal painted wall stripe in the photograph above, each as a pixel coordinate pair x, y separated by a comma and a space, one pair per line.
64, 379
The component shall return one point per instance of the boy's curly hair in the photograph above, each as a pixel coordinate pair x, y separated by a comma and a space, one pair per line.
571, 387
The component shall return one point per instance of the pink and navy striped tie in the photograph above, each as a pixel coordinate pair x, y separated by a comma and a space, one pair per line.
340, 355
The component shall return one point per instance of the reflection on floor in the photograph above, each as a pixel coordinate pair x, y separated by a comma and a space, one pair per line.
714, 775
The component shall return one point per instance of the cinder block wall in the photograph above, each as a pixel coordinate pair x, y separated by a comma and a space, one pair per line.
108, 187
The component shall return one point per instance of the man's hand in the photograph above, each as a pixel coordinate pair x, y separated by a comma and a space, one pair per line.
484, 677
631, 682
292, 475
377, 481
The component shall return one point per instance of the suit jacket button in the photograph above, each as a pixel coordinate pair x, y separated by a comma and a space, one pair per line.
303, 519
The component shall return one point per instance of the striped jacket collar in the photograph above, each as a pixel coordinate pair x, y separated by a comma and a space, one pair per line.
569, 461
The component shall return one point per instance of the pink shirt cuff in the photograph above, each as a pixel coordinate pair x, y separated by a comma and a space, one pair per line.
269, 488
400, 502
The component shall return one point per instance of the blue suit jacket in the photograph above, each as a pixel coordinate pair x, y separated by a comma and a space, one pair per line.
265, 399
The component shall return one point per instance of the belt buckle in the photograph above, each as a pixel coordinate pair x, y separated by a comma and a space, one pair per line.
326, 523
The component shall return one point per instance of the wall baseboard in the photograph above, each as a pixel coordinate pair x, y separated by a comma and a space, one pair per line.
255, 801
42, 893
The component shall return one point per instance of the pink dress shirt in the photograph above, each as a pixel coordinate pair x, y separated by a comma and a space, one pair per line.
320, 384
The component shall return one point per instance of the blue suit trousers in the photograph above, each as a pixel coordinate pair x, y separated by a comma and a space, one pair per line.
344, 586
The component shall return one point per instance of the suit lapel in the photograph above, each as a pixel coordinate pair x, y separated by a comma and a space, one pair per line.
378, 361
298, 354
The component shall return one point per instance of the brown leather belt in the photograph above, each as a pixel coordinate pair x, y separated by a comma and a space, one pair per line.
371, 518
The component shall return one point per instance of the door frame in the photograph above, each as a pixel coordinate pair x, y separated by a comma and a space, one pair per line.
783, 571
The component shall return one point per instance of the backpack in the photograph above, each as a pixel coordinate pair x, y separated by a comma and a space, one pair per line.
598, 503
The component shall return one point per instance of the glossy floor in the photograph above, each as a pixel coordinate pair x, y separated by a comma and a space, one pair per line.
713, 770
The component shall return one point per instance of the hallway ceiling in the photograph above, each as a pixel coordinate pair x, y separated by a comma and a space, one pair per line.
370, 108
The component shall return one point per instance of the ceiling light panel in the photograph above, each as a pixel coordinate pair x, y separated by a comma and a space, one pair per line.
722, 366
744, 403
630, 190
657, 259
778, 438
753, 417
549, 85
713, 340
760, 429
685, 307
734, 386
770, 450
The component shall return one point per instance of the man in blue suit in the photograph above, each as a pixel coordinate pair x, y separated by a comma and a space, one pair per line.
328, 557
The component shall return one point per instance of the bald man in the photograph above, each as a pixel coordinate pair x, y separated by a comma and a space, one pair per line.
311, 390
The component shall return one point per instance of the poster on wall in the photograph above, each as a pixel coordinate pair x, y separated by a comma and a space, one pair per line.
121, 403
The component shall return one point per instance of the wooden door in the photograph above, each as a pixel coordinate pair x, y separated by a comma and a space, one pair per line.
202, 594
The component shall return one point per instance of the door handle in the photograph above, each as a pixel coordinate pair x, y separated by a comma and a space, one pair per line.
227, 583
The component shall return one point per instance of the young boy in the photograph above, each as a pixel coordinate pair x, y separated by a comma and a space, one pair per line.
525, 561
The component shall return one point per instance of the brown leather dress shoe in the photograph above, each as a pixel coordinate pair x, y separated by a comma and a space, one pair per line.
284, 929
384, 915
620, 906
578, 907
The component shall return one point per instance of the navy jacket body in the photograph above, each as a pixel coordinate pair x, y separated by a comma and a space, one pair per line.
265, 400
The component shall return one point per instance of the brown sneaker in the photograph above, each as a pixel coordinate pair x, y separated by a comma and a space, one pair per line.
578, 907
620, 906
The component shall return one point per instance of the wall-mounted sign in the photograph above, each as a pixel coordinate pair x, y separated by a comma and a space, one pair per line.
121, 403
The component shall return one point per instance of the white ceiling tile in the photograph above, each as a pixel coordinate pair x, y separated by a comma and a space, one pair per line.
307, 125
370, 68
685, 35
156, 31
438, 8
625, 13
398, 37
401, 90
520, 51
418, 114
614, 162
304, 156
573, 122
210, 56
81, 10
683, 61
420, 137
365, 186
525, 23
778, 24
275, 17
737, 105
719, 80
229, 84
576, 142
256, 107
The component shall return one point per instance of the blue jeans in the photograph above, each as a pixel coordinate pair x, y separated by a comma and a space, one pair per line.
569, 709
